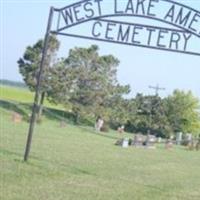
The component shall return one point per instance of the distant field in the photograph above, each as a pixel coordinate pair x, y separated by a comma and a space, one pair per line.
21, 95
16, 94
76, 163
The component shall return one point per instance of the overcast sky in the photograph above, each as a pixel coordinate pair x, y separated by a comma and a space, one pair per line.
24, 22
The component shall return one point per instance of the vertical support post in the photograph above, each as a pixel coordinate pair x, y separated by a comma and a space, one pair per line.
40, 106
37, 92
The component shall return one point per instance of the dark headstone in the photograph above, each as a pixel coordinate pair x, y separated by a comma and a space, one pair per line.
119, 142
169, 144
63, 124
150, 141
138, 140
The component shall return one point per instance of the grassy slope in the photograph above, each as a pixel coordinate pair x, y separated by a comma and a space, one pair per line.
21, 95
75, 163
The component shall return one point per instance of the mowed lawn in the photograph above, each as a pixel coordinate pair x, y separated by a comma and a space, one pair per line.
76, 163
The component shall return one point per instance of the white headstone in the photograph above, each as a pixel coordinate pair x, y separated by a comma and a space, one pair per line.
179, 137
125, 143
188, 136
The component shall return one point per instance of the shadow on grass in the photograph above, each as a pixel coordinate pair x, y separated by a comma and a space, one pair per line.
101, 134
46, 164
24, 109
18, 157
58, 115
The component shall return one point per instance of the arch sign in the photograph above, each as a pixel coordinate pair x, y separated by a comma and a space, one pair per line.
115, 21
177, 29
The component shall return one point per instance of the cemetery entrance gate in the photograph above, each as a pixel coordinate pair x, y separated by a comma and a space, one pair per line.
177, 30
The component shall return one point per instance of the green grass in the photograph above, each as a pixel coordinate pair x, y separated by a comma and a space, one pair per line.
17, 94
75, 163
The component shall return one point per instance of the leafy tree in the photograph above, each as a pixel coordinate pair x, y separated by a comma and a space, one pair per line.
86, 80
117, 106
30, 62
147, 113
183, 112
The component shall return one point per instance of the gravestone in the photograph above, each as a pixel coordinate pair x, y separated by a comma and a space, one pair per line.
198, 145
159, 139
16, 117
179, 138
119, 142
125, 143
62, 124
169, 144
120, 129
192, 145
188, 137
150, 141
138, 140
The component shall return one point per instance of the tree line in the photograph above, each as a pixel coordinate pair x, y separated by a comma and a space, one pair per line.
12, 83
85, 82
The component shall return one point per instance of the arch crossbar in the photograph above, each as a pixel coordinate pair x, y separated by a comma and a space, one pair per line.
181, 34
166, 11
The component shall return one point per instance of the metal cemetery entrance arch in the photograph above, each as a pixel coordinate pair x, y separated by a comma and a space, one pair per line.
181, 33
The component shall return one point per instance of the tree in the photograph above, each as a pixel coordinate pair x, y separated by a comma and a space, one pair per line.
183, 112
86, 80
117, 107
29, 64
147, 113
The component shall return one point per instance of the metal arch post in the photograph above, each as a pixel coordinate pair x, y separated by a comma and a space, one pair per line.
37, 91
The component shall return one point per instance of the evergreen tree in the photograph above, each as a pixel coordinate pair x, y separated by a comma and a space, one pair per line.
30, 62
86, 80
29, 65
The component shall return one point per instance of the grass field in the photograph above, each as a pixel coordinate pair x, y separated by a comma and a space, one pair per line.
76, 163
